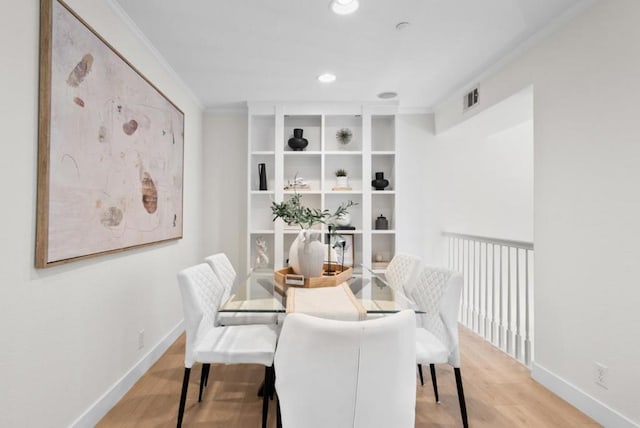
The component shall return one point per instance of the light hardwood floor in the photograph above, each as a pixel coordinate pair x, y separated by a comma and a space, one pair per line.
499, 391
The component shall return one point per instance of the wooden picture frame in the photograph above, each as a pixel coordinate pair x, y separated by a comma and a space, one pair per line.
110, 148
349, 249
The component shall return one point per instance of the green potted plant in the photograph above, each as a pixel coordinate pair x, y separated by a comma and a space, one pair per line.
342, 179
292, 212
306, 255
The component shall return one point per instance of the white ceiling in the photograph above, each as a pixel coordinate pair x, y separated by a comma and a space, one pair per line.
230, 52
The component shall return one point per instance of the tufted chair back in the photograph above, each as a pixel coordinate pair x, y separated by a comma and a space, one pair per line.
402, 272
224, 270
201, 292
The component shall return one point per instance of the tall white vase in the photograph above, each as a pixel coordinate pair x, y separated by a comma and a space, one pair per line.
306, 255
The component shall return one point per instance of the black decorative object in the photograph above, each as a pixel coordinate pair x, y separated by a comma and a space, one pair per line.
262, 173
329, 271
344, 136
380, 182
297, 143
382, 223
342, 243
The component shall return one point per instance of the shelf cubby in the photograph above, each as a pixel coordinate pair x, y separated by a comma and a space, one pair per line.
383, 163
263, 133
261, 217
311, 126
382, 247
333, 201
351, 163
253, 250
382, 204
335, 123
383, 132
269, 161
303, 165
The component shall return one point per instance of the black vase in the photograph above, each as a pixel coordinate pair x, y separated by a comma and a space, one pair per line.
380, 182
297, 143
382, 223
262, 173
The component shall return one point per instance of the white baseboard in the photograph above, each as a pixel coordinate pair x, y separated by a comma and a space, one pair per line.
596, 409
109, 399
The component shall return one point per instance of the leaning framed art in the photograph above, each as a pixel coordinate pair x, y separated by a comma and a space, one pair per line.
343, 243
110, 147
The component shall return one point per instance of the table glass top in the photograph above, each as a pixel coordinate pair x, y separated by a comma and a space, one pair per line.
259, 292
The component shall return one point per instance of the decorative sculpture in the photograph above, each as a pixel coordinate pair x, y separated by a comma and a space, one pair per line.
262, 261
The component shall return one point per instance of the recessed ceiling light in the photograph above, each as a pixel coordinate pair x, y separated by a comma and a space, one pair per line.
344, 7
387, 95
327, 78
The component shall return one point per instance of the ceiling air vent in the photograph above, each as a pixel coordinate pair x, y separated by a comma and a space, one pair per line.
470, 99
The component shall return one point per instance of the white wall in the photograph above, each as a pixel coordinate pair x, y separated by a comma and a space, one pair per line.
69, 333
487, 188
586, 175
417, 217
225, 175
485, 172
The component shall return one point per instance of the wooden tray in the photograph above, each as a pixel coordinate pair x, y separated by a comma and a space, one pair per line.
320, 281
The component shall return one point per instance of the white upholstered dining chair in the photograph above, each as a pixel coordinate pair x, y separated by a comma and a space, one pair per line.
208, 343
227, 275
437, 294
342, 374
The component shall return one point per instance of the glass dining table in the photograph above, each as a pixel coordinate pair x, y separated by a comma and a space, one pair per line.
259, 292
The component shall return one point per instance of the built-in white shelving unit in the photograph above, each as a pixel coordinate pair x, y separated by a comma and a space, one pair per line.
370, 150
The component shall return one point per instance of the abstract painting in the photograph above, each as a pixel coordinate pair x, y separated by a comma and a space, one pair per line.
110, 149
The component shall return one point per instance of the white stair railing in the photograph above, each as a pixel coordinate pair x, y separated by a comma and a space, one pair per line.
497, 300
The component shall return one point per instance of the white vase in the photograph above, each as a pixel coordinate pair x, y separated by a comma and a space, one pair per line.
342, 182
306, 254
344, 219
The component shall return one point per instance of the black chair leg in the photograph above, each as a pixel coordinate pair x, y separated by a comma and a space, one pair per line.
434, 381
203, 379
206, 376
278, 415
420, 373
183, 396
268, 384
463, 406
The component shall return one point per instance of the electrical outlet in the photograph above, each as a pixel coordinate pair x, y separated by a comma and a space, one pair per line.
140, 339
601, 374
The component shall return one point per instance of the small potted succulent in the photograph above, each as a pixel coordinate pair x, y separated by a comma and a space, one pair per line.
342, 179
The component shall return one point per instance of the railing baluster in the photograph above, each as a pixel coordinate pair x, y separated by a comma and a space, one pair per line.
476, 324
469, 287
518, 304
502, 333
486, 291
509, 304
528, 310
478, 274
493, 293
465, 267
